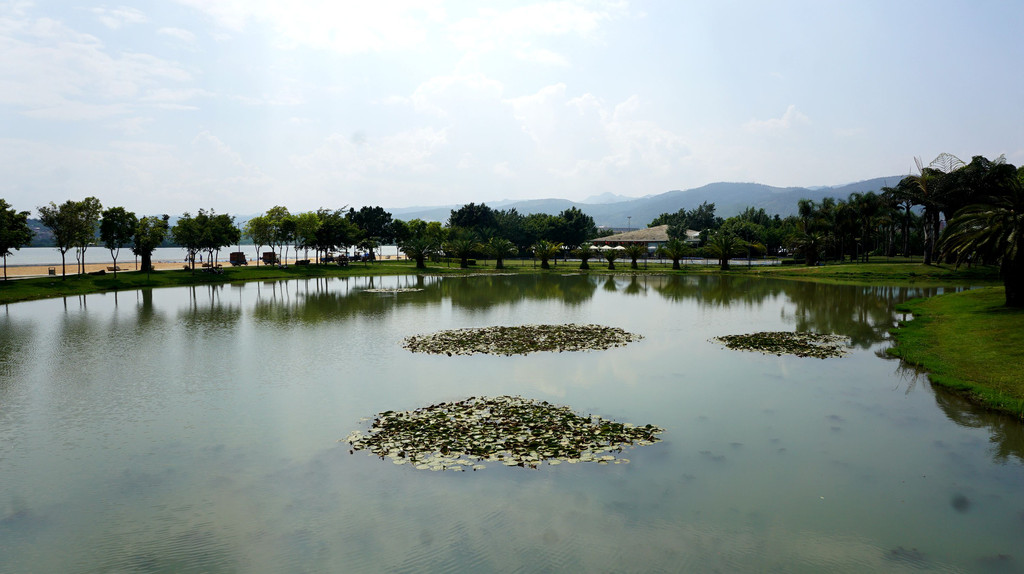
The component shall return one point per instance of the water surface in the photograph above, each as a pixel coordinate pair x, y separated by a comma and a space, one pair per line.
195, 430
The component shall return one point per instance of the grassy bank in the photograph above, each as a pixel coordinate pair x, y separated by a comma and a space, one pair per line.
888, 273
970, 343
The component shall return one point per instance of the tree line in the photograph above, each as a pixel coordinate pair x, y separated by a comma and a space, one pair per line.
963, 213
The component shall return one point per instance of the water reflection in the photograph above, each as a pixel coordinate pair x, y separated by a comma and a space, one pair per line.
15, 338
178, 456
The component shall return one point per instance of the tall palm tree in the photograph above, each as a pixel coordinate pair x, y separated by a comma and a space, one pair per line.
635, 251
992, 231
675, 250
500, 249
808, 244
545, 250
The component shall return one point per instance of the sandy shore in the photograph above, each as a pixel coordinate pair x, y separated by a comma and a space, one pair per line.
72, 268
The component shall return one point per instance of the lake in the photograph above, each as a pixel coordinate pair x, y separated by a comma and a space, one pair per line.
196, 430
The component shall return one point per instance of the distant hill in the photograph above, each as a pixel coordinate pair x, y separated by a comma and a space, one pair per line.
729, 199
609, 210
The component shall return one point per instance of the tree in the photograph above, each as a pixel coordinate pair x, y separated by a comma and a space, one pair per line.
116, 230
65, 223
538, 226
14, 231
724, 246
260, 232
374, 222
479, 219
419, 248
500, 249
993, 231
188, 235
545, 250
150, 232
207, 232
610, 255
572, 227
87, 224
512, 226
220, 231
585, 253
462, 244
675, 250
808, 244
277, 220
336, 232
635, 251
306, 226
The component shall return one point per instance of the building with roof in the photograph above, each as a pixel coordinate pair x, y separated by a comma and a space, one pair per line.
652, 236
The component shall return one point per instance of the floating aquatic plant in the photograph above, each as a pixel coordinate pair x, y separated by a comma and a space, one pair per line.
800, 344
520, 340
395, 290
513, 431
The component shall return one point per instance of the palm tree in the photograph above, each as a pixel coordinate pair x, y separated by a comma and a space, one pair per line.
419, 249
545, 250
584, 253
723, 246
992, 231
675, 250
462, 246
635, 251
500, 249
807, 244
610, 255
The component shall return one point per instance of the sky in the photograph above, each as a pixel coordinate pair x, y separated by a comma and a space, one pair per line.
240, 105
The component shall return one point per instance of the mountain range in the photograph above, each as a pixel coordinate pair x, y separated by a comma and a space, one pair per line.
609, 210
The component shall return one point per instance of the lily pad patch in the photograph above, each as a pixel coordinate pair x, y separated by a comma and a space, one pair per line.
512, 431
520, 340
801, 344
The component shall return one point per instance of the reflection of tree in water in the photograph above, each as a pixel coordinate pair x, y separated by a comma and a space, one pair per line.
330, 299
318, 301
207, 310
15, 338
865, 314
636, 286
1006, 432
715, 290
479, 292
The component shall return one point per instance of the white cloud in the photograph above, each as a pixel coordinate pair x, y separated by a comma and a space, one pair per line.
791, 119
52, 71
115, 18
542, 56
178, 34
492, 28
442, 94
503, 170
344, 27
583, 137
348, 157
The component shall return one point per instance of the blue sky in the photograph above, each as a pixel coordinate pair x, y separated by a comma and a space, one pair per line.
240, 105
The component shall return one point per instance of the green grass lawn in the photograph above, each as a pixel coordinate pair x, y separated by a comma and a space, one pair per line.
969, 342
